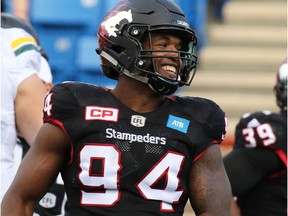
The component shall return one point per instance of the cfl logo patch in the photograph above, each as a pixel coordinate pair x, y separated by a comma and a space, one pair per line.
138, 121
48, 201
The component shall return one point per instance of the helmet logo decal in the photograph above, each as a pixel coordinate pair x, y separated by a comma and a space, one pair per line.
183, 23
111, 23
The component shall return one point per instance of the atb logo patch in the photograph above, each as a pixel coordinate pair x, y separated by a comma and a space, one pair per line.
138, 121
178, 123
101, 113
48, 201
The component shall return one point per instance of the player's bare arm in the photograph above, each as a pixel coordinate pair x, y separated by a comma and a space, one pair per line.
44, 161
28, 107
210, 191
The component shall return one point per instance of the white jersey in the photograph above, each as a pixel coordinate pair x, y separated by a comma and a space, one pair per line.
19, 60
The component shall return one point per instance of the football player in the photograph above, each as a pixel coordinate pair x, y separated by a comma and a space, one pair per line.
257, 165
53, 203
135, 149
20, 88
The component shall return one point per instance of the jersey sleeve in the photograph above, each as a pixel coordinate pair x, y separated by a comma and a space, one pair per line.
62, 110
214, 121
20, 55
217, 125
208, 125
245, 168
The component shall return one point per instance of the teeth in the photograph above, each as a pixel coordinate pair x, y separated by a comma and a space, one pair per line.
169, 68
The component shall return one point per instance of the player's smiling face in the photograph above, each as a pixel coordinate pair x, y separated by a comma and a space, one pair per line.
165, 47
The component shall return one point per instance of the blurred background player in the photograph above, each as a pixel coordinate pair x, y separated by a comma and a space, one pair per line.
257, 165
22, 94
53, 203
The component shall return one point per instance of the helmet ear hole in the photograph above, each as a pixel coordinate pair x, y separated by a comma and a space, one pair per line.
117, 49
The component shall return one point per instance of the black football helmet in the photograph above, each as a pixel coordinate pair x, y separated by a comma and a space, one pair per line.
12, 21
120, 38
280, 88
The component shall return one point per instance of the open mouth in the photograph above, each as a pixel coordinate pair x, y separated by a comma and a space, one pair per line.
171, 70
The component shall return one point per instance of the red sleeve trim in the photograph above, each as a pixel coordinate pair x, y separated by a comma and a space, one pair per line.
283, 157
199, 155
281, 154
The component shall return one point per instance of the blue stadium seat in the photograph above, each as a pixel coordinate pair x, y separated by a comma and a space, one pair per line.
109, 4
86, 57
85, 14
6, 6
60, 46
88, 63
61, 75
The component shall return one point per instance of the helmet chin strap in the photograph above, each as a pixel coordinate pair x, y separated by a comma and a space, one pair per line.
161, 86
156, 83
